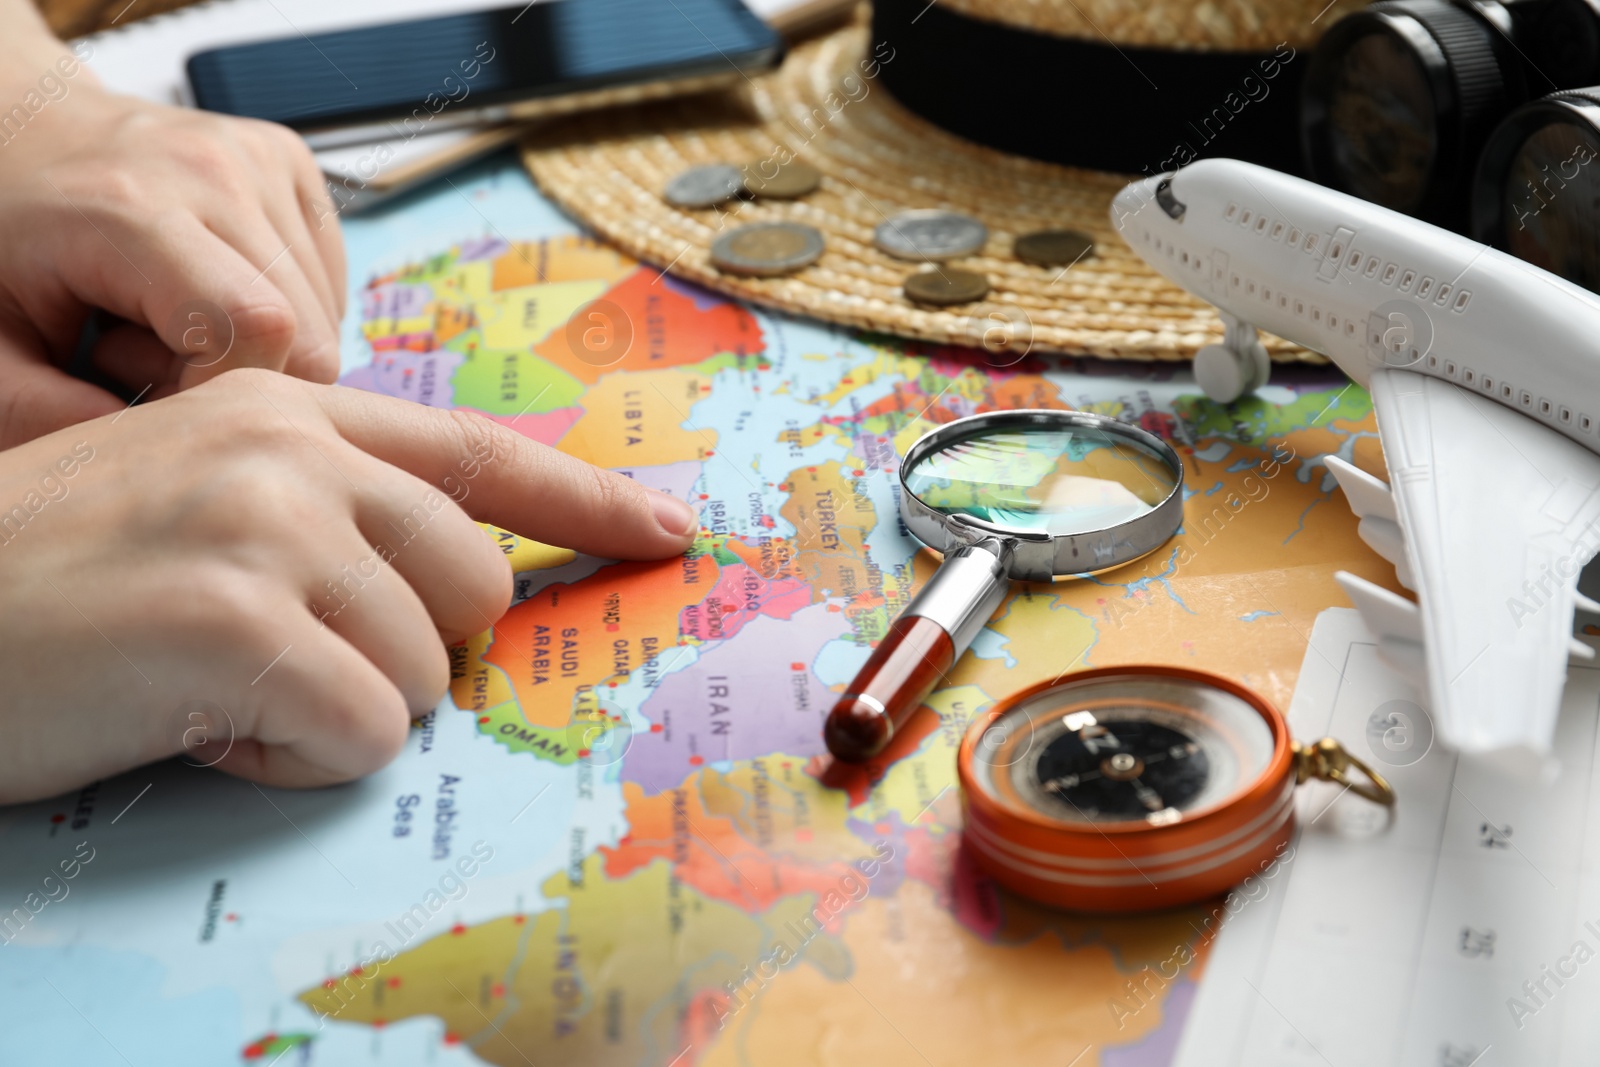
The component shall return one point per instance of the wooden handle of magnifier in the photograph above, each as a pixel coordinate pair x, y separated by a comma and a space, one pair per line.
904, 668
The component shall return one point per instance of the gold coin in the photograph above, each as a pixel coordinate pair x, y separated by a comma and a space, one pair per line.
764, 249
1053, 248
793, 180
946, 286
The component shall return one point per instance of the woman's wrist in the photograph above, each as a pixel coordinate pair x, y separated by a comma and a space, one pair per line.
29, 52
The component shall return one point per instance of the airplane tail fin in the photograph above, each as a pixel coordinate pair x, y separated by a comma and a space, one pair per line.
1395, 621
1373, 503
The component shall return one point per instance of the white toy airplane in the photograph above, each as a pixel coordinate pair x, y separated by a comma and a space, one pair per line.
1485, 377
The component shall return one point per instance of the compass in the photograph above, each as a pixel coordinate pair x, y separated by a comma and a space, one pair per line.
1133, 788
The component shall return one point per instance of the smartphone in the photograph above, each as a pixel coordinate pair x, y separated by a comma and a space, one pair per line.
544, 57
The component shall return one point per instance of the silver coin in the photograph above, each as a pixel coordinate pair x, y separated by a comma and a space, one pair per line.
931, 235
765, 249
707, 186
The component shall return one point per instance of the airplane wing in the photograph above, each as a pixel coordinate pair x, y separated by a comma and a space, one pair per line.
1490, 519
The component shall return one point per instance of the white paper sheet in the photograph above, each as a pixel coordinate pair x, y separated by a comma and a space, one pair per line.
1410, 942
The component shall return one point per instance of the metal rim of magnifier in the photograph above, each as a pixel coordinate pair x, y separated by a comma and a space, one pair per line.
1038, 556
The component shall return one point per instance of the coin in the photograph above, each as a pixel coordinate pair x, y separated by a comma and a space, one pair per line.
705, 186
763, 249
1053, 248
793, 180
931, 234
944, 286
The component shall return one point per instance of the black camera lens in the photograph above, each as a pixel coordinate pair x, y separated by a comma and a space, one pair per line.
1399, 96
1536, 193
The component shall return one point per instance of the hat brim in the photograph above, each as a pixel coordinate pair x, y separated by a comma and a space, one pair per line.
608, 170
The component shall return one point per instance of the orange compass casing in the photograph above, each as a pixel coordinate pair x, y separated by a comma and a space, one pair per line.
1130, 865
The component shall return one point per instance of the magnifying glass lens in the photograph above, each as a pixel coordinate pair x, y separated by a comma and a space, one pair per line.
1043, 479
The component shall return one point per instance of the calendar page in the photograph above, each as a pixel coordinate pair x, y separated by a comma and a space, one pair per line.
1462, 929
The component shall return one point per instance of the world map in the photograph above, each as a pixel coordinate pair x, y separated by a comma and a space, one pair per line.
619, 840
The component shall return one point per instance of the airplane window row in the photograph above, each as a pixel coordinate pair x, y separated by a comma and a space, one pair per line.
1505, 391
1302, 310
1352, 259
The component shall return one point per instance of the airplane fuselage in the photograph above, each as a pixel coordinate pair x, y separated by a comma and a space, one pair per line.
1370, 288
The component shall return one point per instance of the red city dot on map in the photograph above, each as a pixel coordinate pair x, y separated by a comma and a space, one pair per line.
583, 753
703, 496
833, 607
58, 817
394, 983
729, 609
695, 761
483, 718
656, 728
458, 929
711, 452
611, 685
329, 983
355, 972
882, 829
497, 990
612, 627
451, 1039
379, 1024
231, 917
813, 470
797, 666
255, 1052
519, 919
860, 473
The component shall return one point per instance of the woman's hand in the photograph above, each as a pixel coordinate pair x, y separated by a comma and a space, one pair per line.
294, 555
213, 237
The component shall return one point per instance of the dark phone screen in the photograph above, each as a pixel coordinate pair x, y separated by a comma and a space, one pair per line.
479, 59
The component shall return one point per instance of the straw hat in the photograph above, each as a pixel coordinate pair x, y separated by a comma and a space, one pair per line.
829, 107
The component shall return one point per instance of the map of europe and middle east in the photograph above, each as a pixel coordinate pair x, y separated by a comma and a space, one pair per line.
613, 843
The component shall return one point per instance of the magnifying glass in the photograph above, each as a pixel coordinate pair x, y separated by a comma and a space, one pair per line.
1023, 495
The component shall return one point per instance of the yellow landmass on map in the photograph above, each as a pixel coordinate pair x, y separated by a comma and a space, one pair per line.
517, 319
526, 554
559, 259
641, 419
799, 818
1238, 591
912, 786
924, 990
831, 521
595, 979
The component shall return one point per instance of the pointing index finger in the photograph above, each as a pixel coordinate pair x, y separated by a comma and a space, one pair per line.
501, 477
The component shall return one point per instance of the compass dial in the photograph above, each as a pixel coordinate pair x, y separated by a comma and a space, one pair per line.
1136, 749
